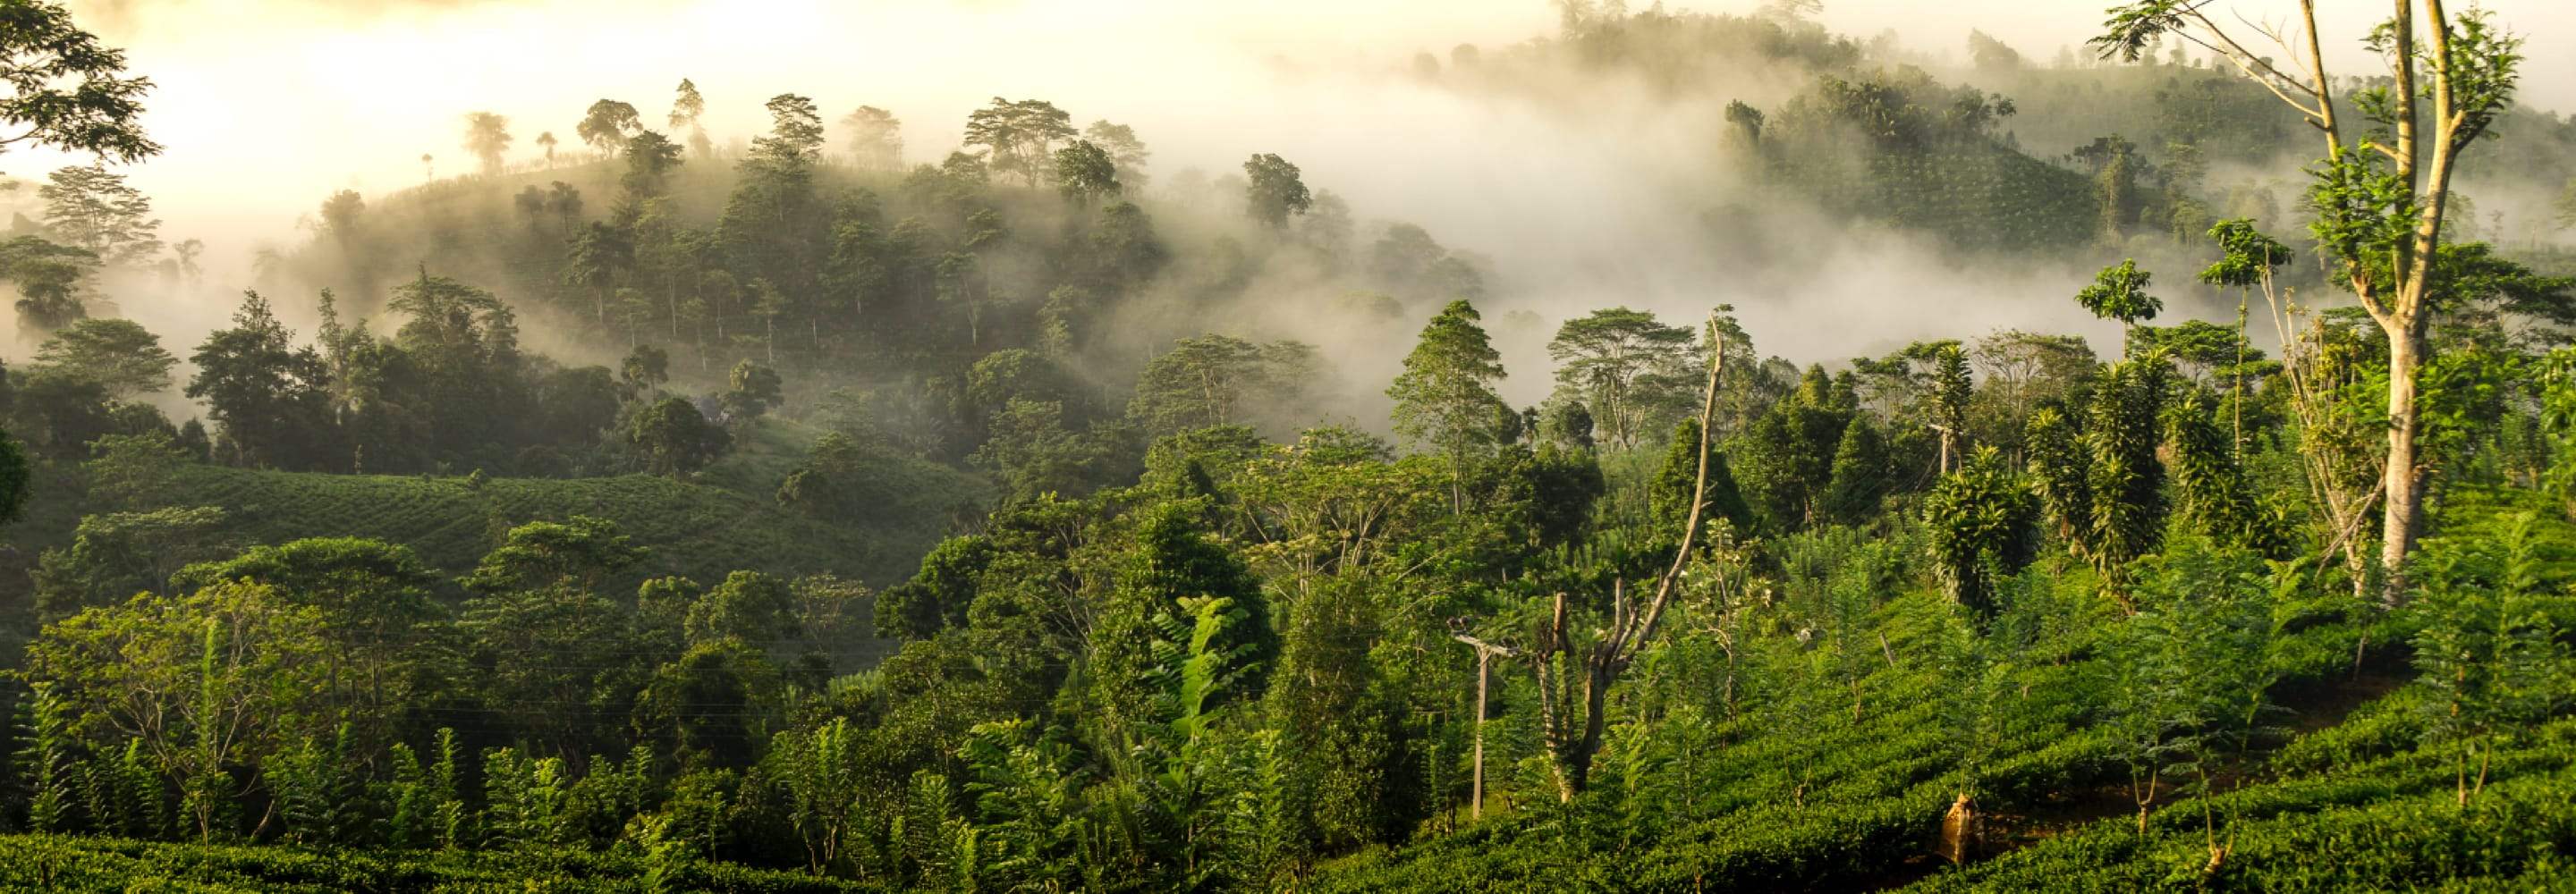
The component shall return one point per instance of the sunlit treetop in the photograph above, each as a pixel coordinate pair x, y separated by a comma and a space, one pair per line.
2120, 293
2249, 255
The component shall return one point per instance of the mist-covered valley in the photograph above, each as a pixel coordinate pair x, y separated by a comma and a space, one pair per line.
673, 445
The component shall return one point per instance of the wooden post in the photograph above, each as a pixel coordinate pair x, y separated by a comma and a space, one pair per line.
1485, 653
1476, 801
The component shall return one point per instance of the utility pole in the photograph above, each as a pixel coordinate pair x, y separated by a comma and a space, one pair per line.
1485, 653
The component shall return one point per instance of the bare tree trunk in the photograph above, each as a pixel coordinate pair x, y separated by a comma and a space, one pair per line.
2402, 509
1630, 626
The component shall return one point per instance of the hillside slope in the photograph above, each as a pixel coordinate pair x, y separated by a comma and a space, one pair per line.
725, 520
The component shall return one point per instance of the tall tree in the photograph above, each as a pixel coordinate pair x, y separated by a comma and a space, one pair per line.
1273, 191
1085, 174
876, 138
2054, 452
1019, 137
13, 478
1125, 251
608, 124
1125, 150
2217, 497
565, 201
1951, 390
750, 390
1984, 527
650, 158
269, 398
119, 354
546, 142
342, 215
2120, 293
186, 252
462, 345
1214, 380
2380, 208
487, 136
2318, 368
1445, 396
1169, 564
96, 210
2024, 368
1860, 475
49, 281
600, 256
1785, 457
1627, 367
374, 600
687, 108
775, 226
2125, 479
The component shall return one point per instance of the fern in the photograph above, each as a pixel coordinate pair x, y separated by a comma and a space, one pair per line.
43, 759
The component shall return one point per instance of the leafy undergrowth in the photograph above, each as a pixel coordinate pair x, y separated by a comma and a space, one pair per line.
727, 519
72, 865
2391, 823
1778, 802
694, 530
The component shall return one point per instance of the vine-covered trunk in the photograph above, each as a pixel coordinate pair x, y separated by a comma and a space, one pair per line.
1578, 754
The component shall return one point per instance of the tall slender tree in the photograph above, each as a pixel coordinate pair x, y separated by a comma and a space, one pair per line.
93, 208
687, 110
1445, 397
2381, 196
876, 138
487, 136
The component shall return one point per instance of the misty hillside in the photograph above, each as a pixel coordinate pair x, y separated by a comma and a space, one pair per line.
1667, 450
1799, 133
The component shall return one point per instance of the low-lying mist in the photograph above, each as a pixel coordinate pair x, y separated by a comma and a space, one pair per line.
1588, 192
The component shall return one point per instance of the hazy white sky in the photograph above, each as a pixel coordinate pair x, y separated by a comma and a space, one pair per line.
268, 105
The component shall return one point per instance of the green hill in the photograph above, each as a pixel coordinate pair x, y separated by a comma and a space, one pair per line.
725, 520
